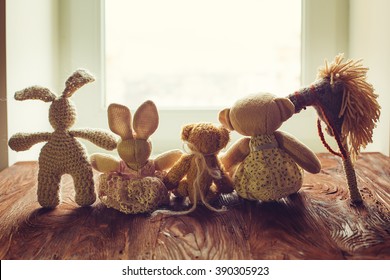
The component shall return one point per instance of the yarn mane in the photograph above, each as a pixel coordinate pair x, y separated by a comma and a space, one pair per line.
359, 108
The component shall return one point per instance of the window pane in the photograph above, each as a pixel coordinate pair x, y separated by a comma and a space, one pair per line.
200, 53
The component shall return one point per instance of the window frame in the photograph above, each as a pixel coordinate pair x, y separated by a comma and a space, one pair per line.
314, 14
81, 44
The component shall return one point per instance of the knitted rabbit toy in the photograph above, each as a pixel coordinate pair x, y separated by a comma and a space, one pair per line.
267, 164
133, 184
63, 153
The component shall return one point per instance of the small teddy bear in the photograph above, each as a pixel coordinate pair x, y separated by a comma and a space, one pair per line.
266, 165
133, 184
200, 175
63, 153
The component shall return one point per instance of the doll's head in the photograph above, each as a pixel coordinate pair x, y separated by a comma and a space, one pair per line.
134, 147
62, 112
257, 114
345, 101
205, 138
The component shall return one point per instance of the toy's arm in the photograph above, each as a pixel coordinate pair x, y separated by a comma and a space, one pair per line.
166, 160
24, 141
302, 155
177, 172
104, 163
225, 184
236, 154
100, 138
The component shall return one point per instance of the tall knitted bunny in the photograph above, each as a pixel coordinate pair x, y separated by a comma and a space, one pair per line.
63, 153
133, 184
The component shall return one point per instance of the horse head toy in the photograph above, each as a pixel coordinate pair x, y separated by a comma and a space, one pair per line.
347, 104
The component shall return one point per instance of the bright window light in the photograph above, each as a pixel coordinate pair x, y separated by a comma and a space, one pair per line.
200, 53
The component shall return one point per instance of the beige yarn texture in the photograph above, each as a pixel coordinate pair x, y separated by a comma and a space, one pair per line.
360, 107
63, 153
132, 196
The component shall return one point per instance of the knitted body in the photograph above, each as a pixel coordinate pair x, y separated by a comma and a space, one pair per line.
268, 172
63, 153
131, 191
54, 161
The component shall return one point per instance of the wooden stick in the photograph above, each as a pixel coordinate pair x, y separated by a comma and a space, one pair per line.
349, 170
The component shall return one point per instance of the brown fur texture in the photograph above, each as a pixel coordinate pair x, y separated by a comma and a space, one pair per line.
200, 175
63, 153
266, 165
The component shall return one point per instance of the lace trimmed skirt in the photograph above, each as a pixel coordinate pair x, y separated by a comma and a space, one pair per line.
134, 195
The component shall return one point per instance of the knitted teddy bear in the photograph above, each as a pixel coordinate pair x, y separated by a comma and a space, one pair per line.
266, 164
133, 184
199, 175
63, 153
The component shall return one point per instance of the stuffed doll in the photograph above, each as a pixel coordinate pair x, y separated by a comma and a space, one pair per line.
346, 103
199, 175
63, 153
266, 164
133, 184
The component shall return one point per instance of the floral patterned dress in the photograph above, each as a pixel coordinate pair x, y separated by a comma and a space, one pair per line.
268, 172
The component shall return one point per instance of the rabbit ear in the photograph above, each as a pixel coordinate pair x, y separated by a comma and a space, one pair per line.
145, 120
76, 81
119, 121
35, 92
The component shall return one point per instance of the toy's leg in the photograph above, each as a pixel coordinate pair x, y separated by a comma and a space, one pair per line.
212, 194
48, 189
182, 189
223, 185
84, 187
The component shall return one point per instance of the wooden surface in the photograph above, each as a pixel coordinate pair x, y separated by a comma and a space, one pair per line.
316, 223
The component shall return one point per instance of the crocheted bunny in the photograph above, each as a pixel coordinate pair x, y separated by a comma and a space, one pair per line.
63, 153
133, 184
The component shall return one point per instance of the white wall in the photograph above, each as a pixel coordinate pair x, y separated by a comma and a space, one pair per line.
370, 40
359, 29
81, 45
324, 35
3, 92
32, 59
